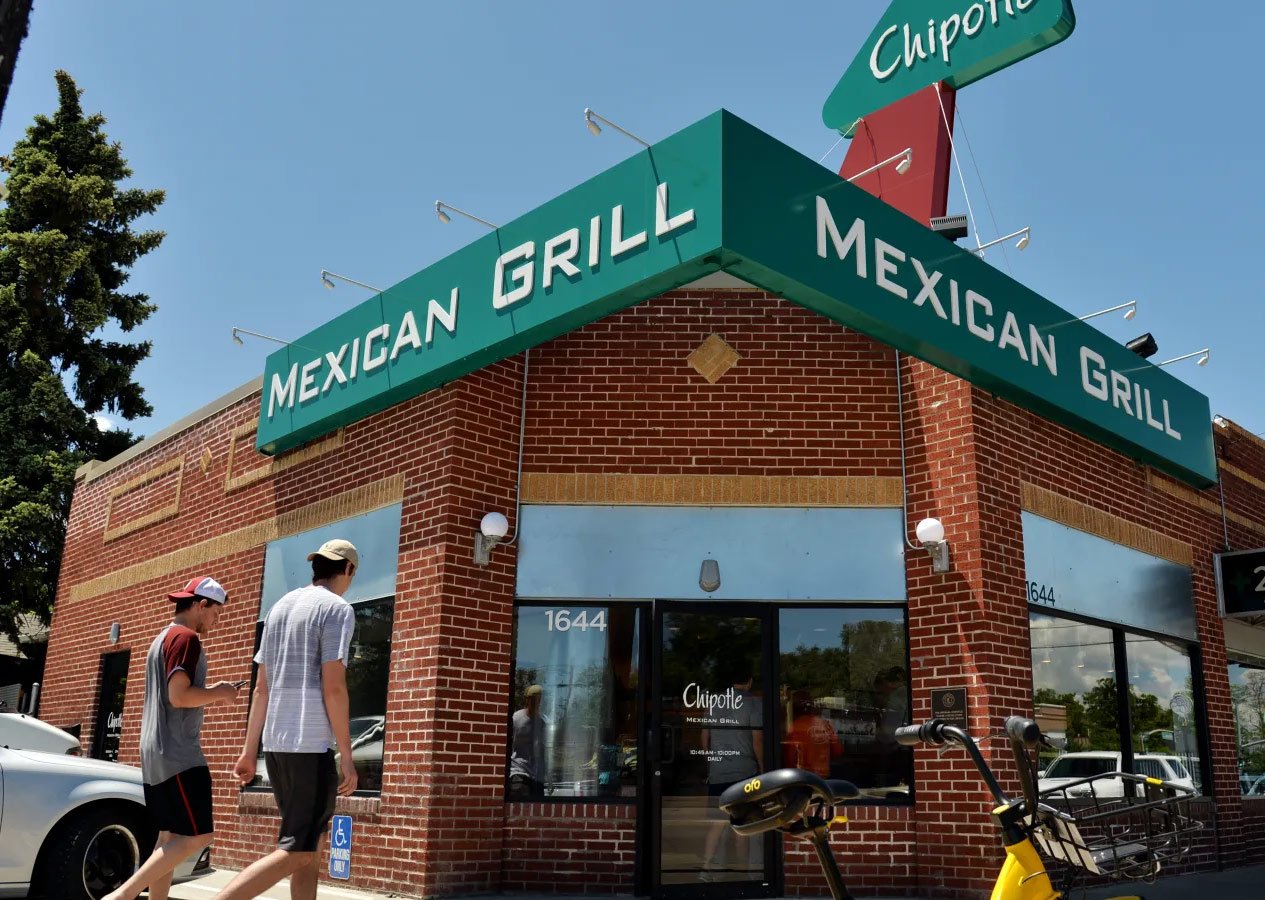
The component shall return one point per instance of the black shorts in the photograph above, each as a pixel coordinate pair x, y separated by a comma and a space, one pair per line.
182, 803
306, 786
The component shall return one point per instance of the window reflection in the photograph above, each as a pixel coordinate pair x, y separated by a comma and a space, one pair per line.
1077, 699
1247, 689
573, 730
844, 692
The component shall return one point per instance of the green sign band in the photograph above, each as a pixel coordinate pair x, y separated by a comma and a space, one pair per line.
722, 194
921, 42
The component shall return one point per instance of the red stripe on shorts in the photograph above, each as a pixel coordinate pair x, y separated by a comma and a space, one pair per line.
189, 809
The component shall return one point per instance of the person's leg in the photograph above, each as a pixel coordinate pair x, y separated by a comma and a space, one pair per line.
303, 881
264, 873
156, 872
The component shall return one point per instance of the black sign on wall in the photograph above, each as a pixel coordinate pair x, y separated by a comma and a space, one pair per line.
949, 706
1241, 583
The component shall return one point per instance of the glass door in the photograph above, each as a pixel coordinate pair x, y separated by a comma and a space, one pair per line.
712, 728
105, 738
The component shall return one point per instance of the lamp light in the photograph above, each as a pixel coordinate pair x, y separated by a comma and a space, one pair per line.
709, 575
903, 160
1202, 354
1130, 308
326, 275
1024, 234
1221, 421
590, 122
115, 630
492, 529
441, 206
238, 332
930, 533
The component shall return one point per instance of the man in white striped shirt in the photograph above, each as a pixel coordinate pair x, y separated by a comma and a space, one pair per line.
300, 712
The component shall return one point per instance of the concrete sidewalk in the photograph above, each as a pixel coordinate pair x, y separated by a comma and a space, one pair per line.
1236, 884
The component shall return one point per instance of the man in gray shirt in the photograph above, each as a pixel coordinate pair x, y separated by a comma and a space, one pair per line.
300, 713
177, 779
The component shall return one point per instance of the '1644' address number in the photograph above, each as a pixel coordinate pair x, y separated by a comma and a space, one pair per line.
563, 620
1040, 593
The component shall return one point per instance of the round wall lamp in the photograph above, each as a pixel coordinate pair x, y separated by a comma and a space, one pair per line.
930, 534
492, 530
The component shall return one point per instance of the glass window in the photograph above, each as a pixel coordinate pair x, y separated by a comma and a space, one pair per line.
1074, 693
1077, 698
377, 537
843, 693
1162, 707
1247, 688
575, 721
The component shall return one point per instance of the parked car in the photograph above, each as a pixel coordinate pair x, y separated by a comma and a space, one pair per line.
22, 732
1072, 767
74, 828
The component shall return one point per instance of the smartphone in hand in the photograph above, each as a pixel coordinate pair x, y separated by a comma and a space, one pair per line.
238, 684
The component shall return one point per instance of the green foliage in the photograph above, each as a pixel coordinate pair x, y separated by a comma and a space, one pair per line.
66, 246
1093, 720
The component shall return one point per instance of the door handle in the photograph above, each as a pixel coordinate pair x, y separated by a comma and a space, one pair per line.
669, 738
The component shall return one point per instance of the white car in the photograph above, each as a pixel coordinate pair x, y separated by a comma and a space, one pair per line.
1072, 767
73, 828
21, 732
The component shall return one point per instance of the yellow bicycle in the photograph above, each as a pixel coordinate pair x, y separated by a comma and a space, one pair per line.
1116, 825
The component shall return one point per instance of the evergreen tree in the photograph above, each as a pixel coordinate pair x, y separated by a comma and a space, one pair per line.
66, 245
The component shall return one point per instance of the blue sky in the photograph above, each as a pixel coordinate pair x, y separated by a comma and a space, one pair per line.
292, 137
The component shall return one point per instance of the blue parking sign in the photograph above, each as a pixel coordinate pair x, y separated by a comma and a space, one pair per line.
340, 848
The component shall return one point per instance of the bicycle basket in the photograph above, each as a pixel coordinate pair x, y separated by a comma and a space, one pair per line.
1116, 824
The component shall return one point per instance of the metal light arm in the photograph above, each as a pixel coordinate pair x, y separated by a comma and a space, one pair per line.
1024, 234
440, 206
903, 159
267, 337
1203, 354
326, 275
1132, 306
589, 116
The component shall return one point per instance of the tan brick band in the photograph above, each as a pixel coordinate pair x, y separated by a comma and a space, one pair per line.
314, 515
1241, 475
168, 511
1207, 504
271, 466
710, 490
1084, 517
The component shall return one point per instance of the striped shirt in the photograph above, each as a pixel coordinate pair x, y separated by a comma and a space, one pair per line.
306, 629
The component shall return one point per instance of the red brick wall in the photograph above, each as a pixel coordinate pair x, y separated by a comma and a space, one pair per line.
808, 398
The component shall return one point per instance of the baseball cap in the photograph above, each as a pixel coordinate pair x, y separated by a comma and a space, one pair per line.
338, 550
202, 588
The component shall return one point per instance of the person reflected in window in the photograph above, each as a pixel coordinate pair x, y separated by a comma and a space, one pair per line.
811, 742
891, 691
527, 750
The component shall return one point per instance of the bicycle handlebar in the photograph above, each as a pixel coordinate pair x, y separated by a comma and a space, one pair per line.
1024, 735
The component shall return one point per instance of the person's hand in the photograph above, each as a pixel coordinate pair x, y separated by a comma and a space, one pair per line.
244, 768
348, 782
225, 691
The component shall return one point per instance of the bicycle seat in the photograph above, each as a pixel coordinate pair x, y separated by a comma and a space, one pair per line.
777, 799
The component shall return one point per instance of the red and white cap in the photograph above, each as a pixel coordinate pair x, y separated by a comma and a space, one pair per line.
205, 588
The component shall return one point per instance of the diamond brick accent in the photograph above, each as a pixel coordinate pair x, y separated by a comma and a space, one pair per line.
713, 358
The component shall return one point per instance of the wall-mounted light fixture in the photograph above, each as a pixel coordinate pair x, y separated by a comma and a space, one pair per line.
1025, 238
1221, 421
590, 122
115, 631
930, 534
952, 228
238, 332
1202, 361
709, 575
1131, 310
903, 160
326, 275
441, 209
492, 529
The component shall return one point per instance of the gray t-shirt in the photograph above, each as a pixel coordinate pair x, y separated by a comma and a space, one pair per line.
170, 737
306, 629
527, 753
731, 752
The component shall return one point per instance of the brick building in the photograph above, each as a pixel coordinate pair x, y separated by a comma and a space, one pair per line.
711, 556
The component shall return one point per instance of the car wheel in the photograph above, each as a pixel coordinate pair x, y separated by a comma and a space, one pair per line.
92, 853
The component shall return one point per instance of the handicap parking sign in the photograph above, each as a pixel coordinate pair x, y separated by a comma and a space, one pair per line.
340, 848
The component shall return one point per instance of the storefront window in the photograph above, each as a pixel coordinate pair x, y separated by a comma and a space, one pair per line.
844, 691
377, 536
1247, 688
575, 720
1077, 695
